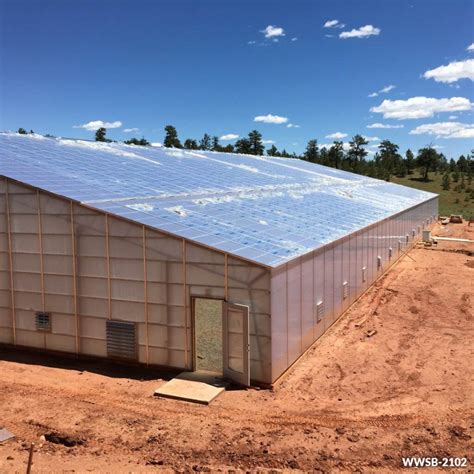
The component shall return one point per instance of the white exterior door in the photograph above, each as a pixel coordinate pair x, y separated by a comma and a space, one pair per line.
236, 343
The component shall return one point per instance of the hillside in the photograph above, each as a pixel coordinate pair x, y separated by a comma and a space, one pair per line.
456, 200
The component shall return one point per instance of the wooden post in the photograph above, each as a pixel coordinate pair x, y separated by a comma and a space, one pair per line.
145, 285
30, 458
107, 251
185, 304
10, 254
74, 276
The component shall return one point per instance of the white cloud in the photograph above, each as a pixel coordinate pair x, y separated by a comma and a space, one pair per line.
371, 139
362, 32
384, 90
336, 135
229, 136
452, 117
420, 107
452, 72
333, 24
445, 130
269, 118
268, 142
294, 38
251, 42
96, 124
470, 47
293, 125
131, 130
383, 125
273, 31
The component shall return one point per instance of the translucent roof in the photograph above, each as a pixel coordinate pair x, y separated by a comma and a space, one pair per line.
264, 209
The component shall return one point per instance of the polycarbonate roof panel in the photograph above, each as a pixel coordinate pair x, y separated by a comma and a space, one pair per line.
265, 209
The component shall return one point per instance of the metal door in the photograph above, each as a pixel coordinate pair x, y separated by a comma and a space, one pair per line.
236, 343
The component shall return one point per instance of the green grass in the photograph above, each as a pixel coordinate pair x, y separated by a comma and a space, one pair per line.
450, 202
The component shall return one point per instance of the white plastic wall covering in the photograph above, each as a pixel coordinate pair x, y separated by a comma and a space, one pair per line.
345, 274
307, 301
279, 328
337, 281
319, 279
328, 286
294, 310
355, 262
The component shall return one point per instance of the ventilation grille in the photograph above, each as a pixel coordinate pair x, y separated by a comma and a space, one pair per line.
43, 321
121, 340
345, 290
319, 311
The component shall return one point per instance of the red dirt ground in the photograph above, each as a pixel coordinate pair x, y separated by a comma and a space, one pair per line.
353, 403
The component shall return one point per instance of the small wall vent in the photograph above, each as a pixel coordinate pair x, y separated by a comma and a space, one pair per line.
345, 290
121, 339
319, 311
43, 321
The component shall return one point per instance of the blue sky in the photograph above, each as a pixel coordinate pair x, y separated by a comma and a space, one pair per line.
214, 66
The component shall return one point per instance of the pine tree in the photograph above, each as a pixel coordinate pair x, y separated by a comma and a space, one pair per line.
171, 138
335, 155
409, 161
205, 143
243, 146
139, 142
191, 144
215, 144
357, 152
388, 158
255, 141
427, 160
273, 151
446, 182
100, 135
312, 151
22, 131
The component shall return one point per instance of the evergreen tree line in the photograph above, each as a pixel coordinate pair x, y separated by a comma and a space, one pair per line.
387, 161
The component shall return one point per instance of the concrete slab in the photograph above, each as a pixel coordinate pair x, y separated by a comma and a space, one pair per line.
5, 435
195, 387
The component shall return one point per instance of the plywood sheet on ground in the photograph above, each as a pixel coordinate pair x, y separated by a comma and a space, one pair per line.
197, 387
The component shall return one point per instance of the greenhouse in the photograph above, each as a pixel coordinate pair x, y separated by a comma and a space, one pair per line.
188, 259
